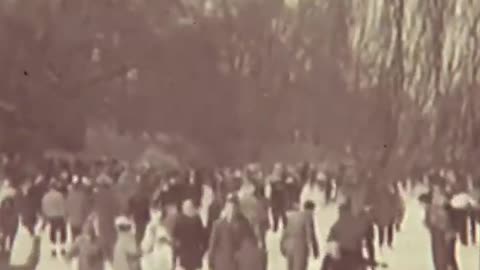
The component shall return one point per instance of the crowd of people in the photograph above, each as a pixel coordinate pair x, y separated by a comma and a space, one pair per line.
108, 213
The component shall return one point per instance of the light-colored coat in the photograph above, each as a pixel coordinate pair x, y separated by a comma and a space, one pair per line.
126, 253
157, 244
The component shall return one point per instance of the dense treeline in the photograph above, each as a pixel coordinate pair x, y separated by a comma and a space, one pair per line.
234, 76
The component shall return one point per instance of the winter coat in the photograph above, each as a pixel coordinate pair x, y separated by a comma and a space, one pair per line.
250, 256
78, 207
90, 255
438, 218
8, 217
255, 210
126, 253
298, 240
106, 209
157, 244
214, 211
385, 208
189, 235
53, 204
223, 245
349, 231
26, 209
279, 198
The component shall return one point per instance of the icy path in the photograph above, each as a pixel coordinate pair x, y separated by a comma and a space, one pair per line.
411, 248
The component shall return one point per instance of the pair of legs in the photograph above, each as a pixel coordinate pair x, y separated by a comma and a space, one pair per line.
58, 227
386, 235
279, 214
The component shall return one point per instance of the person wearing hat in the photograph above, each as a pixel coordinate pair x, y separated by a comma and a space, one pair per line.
29, 204
442, 232
298, 241
126, 253
344, 243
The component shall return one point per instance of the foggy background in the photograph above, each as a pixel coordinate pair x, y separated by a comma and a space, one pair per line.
234, 80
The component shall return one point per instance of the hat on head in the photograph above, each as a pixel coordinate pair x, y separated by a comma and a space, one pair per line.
121, 221
309, 205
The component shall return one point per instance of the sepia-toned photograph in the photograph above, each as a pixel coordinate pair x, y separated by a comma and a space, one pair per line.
239, 134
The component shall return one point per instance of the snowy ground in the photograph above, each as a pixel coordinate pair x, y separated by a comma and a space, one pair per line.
411, 250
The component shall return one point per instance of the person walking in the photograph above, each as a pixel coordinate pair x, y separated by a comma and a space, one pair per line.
53, 208
78, 207
88, 249
441, 229
279, 202
189, 235
298, 241
224, 243
157, 243
140, 208
106, 209
126, 252
8, 224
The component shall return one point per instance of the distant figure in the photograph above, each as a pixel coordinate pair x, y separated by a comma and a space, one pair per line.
279, 202
298, 240
214, 211
29, 204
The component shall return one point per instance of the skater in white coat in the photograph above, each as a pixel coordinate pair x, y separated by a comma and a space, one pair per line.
157, 244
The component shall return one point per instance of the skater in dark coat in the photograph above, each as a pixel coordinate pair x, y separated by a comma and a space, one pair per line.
189, 235
279, 202
442, 232
105, 210
299, 241
8, 223
224, 243
345, 241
